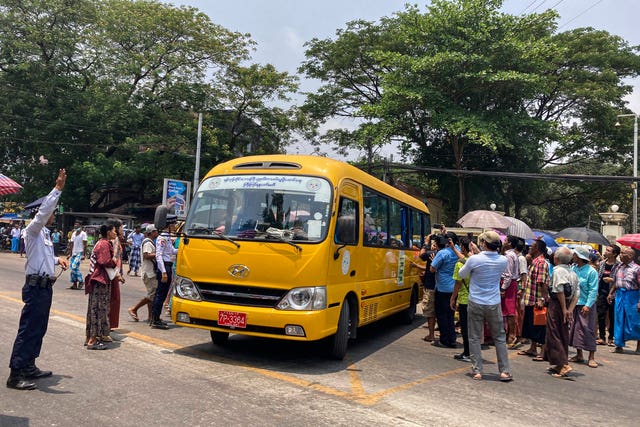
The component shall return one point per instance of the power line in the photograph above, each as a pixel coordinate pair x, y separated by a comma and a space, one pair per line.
579, 14
521, 175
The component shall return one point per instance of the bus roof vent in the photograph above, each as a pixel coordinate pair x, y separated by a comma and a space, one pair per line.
267, 165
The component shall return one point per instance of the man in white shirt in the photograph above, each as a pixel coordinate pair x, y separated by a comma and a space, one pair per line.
148, 272
37, 294
78, 243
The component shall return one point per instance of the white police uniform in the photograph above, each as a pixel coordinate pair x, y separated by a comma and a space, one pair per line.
37, 292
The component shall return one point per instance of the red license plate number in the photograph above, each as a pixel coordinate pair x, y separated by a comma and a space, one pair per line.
232, 319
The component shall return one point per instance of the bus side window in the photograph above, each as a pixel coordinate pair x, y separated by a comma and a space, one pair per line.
347, 223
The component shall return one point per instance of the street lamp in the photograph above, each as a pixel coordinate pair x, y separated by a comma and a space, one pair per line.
634, 225
493, 206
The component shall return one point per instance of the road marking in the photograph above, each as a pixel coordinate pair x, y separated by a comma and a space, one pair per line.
357, 393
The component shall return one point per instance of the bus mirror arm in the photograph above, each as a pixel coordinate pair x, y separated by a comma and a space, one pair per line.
336, 254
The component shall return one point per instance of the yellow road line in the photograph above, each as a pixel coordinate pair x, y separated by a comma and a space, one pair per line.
357, 393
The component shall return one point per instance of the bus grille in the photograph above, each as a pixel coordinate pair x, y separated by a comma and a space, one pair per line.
251, 296
370, 312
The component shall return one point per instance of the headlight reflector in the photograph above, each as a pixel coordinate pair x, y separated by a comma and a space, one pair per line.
307, 298
185, 288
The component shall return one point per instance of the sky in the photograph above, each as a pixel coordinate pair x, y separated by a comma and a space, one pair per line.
281, 27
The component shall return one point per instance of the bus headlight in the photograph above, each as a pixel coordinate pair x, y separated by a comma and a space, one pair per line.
309, 298
185, 288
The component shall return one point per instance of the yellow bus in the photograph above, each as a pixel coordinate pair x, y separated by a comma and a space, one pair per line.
298, 248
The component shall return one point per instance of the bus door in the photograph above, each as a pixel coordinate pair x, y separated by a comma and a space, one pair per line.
345, 263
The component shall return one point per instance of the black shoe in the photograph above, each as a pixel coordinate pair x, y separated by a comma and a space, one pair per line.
159, 324
19, 382
443, 345
34, 373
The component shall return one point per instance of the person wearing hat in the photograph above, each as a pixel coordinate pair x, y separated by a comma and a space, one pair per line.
165, 254
148, 270
484, 271
37, 293
583, 329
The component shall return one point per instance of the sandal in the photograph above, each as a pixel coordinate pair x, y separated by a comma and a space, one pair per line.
427, 339
592, 364
106, 338
527, 353
133, 315
477, 376
505, 377
539, 359
97, 346
576, 359
600, 341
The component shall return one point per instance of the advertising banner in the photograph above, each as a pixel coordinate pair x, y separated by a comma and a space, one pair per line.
176, 194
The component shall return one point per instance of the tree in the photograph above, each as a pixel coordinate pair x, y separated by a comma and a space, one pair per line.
465, 86
111, 91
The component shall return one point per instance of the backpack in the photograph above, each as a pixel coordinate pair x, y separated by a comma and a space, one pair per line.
153, 261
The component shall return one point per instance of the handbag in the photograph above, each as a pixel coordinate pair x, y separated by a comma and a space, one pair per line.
539, 316
111, 272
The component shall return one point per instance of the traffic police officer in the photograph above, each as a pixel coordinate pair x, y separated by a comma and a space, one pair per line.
37, 293
165, 255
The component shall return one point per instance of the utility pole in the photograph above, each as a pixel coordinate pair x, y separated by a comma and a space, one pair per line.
196, 172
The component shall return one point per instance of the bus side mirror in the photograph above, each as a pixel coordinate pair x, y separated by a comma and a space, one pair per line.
346, 230
160, 217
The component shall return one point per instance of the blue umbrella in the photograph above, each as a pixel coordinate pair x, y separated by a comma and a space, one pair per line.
544, 236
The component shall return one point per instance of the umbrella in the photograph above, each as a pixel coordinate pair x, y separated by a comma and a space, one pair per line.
484, 219
583, 235
519, 229
631, 240
548, 238
8, 186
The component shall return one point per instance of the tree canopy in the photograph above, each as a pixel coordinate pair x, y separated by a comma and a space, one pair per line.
466, 86
112, 89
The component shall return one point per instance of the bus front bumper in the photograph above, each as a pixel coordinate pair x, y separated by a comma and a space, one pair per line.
256, 321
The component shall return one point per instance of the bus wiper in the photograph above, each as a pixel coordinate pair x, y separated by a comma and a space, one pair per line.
212, 232
227, 238
204, 230
282, 236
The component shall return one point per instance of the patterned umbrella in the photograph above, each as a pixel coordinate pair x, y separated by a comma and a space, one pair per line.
484, 219
631, 240
583, 235
519, 229
8, 186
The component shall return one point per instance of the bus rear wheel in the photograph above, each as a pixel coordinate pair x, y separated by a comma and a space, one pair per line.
219, 338
340, 340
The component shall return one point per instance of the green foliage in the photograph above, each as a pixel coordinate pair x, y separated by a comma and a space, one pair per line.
111, 90
465, 86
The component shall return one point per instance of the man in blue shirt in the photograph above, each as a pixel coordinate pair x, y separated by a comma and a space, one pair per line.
443, 265
485, 270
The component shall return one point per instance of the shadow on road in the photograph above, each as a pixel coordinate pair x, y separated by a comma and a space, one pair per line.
301, 357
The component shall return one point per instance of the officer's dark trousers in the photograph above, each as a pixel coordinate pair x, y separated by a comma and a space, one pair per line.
161, 292
33, 325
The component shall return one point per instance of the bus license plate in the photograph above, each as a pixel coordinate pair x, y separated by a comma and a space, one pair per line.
232, 319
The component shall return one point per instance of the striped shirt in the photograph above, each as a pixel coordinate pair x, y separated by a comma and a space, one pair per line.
538, 280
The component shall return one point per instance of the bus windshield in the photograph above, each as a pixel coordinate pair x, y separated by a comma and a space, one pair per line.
251, 207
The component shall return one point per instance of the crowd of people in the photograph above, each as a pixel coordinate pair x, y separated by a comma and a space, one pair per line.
152, 255
509, 295
504, 293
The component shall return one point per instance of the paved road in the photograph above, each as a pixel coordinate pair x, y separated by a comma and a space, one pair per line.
390, 377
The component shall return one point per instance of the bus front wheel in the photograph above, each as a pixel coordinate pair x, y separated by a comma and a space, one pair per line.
219, 338
340, 340
409, 314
